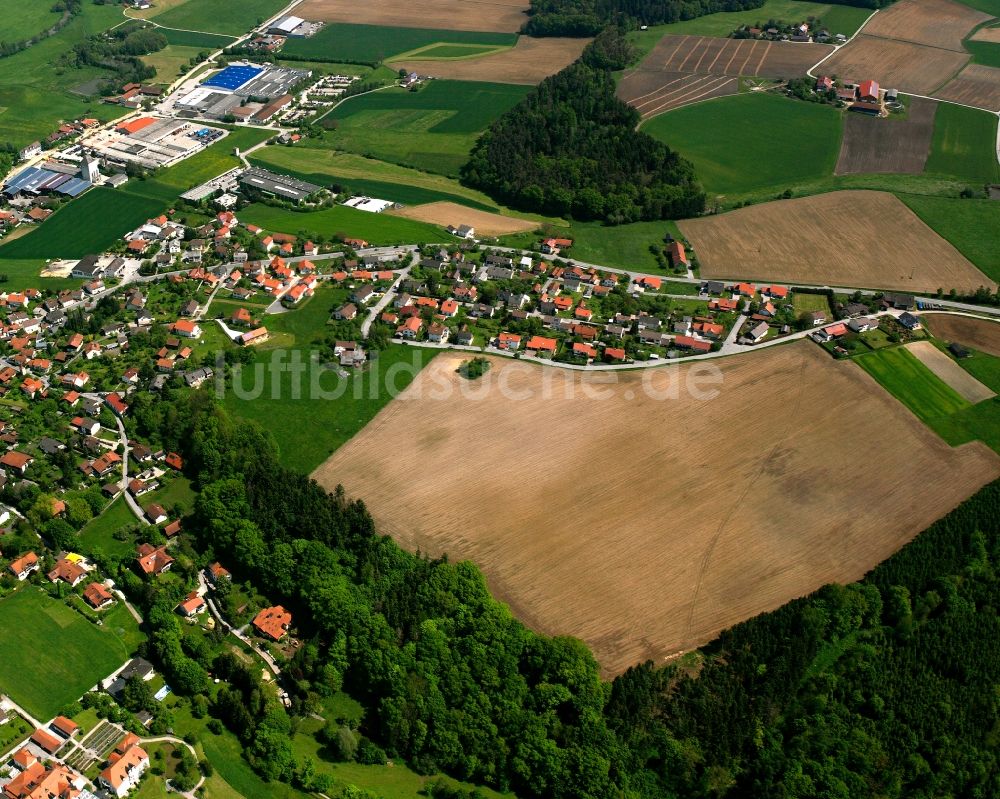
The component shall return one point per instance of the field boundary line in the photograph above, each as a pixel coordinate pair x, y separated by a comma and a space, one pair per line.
836, 47
339, 103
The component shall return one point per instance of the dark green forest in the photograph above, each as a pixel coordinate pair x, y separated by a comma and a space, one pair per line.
588, 17
883, 688
570, 148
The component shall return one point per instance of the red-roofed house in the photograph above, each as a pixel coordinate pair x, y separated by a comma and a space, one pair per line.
273, 622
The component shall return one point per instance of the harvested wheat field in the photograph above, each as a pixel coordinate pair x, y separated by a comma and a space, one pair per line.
975, 85
712, 55
856, 239
652, 92
530, 61
980, 334
912, 68
937, 23
950, 372
645, 526
987, 35
503, 16
485, 223
888, 145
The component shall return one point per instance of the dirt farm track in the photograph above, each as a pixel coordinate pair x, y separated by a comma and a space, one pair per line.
648, 536
859, 239
504, 16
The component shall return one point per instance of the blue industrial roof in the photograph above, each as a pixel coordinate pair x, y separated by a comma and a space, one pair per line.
233, 77
36, 180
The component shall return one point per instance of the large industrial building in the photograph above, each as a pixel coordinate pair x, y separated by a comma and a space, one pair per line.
238, 84
294, 26
268, 182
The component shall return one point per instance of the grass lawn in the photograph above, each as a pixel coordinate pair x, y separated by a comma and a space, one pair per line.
35, 90
176, 491
972, 227
13, 732
376, 228
219, 16
749, 142
964, 144
433, 129
370, 44
350, 404
368, 176
805, 303
913, 384
50, 654
98, 534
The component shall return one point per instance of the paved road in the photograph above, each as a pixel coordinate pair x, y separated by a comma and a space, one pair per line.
123, 438
388, 297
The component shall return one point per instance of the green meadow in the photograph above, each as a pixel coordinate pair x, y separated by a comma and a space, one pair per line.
971, 226
433, 129
23, 20
749, 142
219, 16
202, 41
372, 44
50, 654
379, 229
964, 144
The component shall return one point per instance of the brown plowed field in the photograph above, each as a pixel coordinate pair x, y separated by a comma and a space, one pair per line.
485, 223
652, 92
987, 35
888, 145
646, 525
529, 62
682, 70
858, 239
506, 16
938, 23
975, 85
913, 68
980, 334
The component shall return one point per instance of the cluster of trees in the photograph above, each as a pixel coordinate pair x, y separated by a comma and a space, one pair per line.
588, 17
884, 687
119, 51
571, 148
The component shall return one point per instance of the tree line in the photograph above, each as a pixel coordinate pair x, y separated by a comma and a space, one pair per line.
571, 148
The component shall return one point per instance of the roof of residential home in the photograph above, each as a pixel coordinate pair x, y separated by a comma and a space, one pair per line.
273, 622
153, 560
96, 594
27, 561
68, 571
218, 571
541, 343
192, 605
184, 326
15, 459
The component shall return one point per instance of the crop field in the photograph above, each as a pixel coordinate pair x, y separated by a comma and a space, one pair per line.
907, 378
989, 34
203, 41
384, 229
450, 51
170, 59
433, 129
219, 16
937, 23
374, 43
88, 224
913, 68
367, 176
964, 144
652, 92
474, 15
949, 372
662, 557
976, 85
528, 63
971, 226
859, 239
752, 141
888, 145
50, 654
979, 334
485, 222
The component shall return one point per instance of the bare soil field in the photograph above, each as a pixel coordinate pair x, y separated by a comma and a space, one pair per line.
530, 61
505, 16
653, 92
980, 334
913, 68
975, 85
950, 372
485, 223
859, 239
647, 535
880, 145
711, 55
987, 35
938, 23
